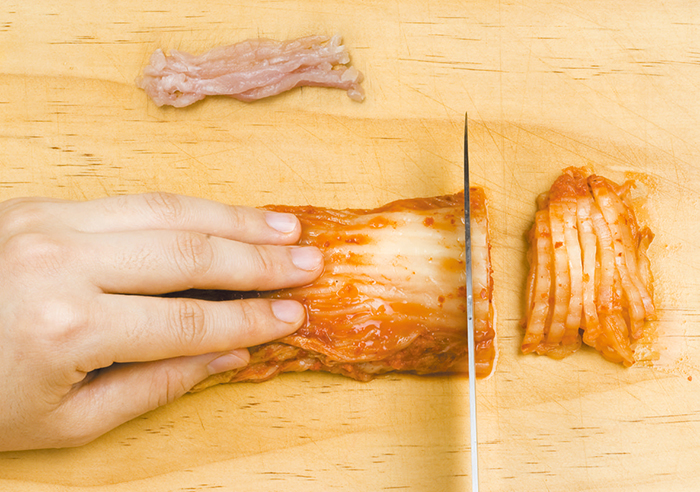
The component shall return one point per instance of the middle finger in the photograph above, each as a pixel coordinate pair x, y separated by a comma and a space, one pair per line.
157, 262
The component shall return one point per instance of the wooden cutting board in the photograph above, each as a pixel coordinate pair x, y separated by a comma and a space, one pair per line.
547, 84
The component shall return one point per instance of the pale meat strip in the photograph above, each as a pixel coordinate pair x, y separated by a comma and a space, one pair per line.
250, 70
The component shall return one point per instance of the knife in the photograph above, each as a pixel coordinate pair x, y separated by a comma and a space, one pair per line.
470, 317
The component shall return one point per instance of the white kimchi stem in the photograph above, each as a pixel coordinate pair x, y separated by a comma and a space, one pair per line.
250, 70
541, 278
601, 278
588, 239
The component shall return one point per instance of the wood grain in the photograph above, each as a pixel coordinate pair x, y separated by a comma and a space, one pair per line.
546, 84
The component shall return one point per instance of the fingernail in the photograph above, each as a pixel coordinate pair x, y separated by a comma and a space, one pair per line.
229, 361
287, 311
308, 258
284, 223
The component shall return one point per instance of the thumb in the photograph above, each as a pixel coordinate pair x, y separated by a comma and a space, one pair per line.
122, 392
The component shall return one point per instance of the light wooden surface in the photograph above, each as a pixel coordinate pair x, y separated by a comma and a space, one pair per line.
547, 85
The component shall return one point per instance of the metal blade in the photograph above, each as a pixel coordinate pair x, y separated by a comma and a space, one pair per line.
470, 317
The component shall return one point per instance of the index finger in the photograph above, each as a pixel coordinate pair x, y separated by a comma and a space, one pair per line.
150, 211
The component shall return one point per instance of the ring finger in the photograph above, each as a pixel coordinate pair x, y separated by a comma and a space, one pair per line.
140, 328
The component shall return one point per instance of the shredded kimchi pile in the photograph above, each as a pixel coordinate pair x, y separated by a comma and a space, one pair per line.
590, 278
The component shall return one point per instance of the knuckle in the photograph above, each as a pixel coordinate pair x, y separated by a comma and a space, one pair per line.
263, 264
36, 251
194, 254
167, 207
168, 384
189, 322
20, 214
60, 321
247, 318
238, 218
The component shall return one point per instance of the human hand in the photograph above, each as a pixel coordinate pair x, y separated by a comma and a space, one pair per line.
86, 345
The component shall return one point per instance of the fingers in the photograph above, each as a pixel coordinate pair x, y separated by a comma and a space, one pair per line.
155, 211
156, 262
124, 391
139, 328
169, 211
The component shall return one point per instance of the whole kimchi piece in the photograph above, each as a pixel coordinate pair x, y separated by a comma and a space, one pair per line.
589, 272
392, 297
250, 70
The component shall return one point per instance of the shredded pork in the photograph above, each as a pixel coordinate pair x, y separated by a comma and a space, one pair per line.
250, 70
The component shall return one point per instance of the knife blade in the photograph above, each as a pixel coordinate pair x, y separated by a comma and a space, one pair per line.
470, 316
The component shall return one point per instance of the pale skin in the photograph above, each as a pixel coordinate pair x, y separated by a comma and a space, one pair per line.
81, 354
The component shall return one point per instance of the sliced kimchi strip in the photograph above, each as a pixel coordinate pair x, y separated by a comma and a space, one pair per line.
392, 296
588, 240
250, 70
597, 278
541, 270
482, 283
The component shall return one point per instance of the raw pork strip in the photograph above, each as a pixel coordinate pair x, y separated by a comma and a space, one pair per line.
392, 297
250, 70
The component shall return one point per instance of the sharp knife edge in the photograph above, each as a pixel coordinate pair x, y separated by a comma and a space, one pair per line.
470, 318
